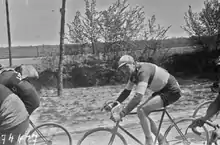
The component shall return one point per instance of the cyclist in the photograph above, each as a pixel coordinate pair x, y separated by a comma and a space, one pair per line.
21, 87
14, 119
214, 107
147, 75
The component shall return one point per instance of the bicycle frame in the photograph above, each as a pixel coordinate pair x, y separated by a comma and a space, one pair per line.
164, 111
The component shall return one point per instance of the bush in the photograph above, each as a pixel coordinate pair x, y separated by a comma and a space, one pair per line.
195, 63
89, 70
82, 71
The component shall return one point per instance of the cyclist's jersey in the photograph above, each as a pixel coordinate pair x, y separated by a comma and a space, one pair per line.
12, 109
155, 76
26, 92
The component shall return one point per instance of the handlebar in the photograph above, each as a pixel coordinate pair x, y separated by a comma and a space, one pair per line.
108, 107
215, 126
108, 103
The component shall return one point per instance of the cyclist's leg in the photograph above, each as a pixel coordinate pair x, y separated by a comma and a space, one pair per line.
153, 125
14, 136
30, 97
143, 113
168, 95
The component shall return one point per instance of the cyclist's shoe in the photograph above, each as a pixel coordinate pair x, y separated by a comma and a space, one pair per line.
198, 122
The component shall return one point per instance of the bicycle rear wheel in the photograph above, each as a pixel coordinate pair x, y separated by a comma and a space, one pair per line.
188, 137
49, 134
101, 136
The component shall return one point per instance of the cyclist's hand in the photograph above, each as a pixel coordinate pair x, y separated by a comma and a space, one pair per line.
117, 113
198, 122
116, 117
108, 107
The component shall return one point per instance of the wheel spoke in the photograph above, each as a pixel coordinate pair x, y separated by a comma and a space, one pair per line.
46, 134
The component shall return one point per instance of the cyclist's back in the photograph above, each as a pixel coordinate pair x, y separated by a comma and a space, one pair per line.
159, 80
13, 117
158, 76
26, 91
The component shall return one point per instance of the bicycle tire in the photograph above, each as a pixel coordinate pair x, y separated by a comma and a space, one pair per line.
200, 106
166, 134
105, 129
50, 124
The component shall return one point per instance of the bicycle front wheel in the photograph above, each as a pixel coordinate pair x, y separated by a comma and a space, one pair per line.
101, 136
179, 134
49, 134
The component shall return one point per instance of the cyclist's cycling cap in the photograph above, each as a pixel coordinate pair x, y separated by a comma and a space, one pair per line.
125, 59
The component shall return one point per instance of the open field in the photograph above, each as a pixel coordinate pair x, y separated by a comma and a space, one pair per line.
79, 109
19, 61
29, 55
36, 51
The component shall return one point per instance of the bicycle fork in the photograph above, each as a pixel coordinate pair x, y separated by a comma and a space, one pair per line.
114, 133
40, 134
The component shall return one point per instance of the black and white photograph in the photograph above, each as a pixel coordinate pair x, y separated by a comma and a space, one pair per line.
109, 72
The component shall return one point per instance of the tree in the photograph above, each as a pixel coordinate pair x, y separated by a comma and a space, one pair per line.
120, 25
62, 30
9, 31
204, 29
204, 26
153, 36
75, 34
85, 29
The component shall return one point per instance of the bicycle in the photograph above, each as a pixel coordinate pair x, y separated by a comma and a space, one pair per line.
114, 131
200, 111
201, 108
36, 136
214, 133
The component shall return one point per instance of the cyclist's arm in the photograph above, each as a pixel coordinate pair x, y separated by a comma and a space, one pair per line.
140, 91
28, 95
25, 91
213, 108
126, 92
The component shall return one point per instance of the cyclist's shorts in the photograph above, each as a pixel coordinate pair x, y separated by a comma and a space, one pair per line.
14, 136
170, 93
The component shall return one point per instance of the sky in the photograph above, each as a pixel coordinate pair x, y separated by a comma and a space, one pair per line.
37, 22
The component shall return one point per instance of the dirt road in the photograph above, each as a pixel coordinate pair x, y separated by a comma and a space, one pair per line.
131, 124
79, 109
